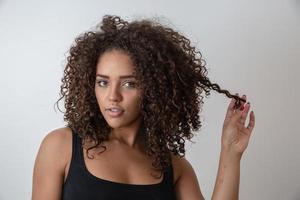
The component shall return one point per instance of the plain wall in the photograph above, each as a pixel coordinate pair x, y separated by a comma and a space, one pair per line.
251, 47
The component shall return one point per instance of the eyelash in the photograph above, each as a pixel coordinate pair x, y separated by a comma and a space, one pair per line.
131, 83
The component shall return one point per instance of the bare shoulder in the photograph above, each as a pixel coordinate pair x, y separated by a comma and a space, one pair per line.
180, 164
51, 159
58, 142
58, 137
177, 163
185, 180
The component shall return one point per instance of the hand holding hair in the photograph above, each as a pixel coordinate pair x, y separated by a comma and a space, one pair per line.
235, 136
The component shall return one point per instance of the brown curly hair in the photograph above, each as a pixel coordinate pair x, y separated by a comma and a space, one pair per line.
171, 73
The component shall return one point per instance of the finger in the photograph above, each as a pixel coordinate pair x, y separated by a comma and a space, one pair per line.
245, 98
243, 102
235, 101
245, 114
235, 107
238, 110
230, 109
251, 123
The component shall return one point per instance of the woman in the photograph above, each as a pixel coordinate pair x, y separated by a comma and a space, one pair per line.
132, 97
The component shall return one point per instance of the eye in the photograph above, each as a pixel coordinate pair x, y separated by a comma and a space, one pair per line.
101, 82
130, 84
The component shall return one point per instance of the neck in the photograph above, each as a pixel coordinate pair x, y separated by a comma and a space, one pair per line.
130, 136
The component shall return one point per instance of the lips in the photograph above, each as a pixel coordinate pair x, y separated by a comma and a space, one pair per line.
114, 111
115, 108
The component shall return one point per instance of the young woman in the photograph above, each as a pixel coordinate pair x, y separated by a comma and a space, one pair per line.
132, 97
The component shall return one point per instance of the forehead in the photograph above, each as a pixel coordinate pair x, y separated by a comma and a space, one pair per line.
115, 62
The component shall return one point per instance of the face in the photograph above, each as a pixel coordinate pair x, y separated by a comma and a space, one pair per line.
115, 86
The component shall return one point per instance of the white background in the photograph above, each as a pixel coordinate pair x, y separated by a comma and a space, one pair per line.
251, 47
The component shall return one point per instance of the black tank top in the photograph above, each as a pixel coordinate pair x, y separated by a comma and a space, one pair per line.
82, 185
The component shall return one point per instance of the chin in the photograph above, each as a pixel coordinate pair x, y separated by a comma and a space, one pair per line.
115, 124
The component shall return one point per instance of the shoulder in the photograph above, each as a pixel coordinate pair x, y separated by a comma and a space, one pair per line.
180, 164
177, 162
50, 162
185, 179
57, 144
58, 136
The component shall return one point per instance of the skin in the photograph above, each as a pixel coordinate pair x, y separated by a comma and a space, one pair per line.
235, 139
125, 145
112, 90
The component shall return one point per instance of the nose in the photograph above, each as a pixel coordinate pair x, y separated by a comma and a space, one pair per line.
114, 94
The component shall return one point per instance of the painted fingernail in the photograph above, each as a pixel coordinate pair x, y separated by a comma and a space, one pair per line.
242, 107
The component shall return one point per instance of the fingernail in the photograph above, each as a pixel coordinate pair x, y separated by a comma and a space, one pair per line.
242, 107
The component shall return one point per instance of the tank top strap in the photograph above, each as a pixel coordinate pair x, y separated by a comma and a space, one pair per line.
76, 147
168, 179
171, 173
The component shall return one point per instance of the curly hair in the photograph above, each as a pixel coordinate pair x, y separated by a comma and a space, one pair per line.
170, 72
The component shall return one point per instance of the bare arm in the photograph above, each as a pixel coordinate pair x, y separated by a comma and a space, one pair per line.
48, 172
235, 139
187, 186
227, 181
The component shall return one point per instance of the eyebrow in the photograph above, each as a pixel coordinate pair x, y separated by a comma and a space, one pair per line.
122, 77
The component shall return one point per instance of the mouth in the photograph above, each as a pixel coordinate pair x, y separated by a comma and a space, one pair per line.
114, 112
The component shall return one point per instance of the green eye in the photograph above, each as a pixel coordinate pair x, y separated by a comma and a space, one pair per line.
130, 84
101, 81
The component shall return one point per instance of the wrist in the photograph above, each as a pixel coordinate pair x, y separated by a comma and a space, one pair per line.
230, 154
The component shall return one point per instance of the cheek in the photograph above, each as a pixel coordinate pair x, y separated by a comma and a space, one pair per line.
136, 105
99, 100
